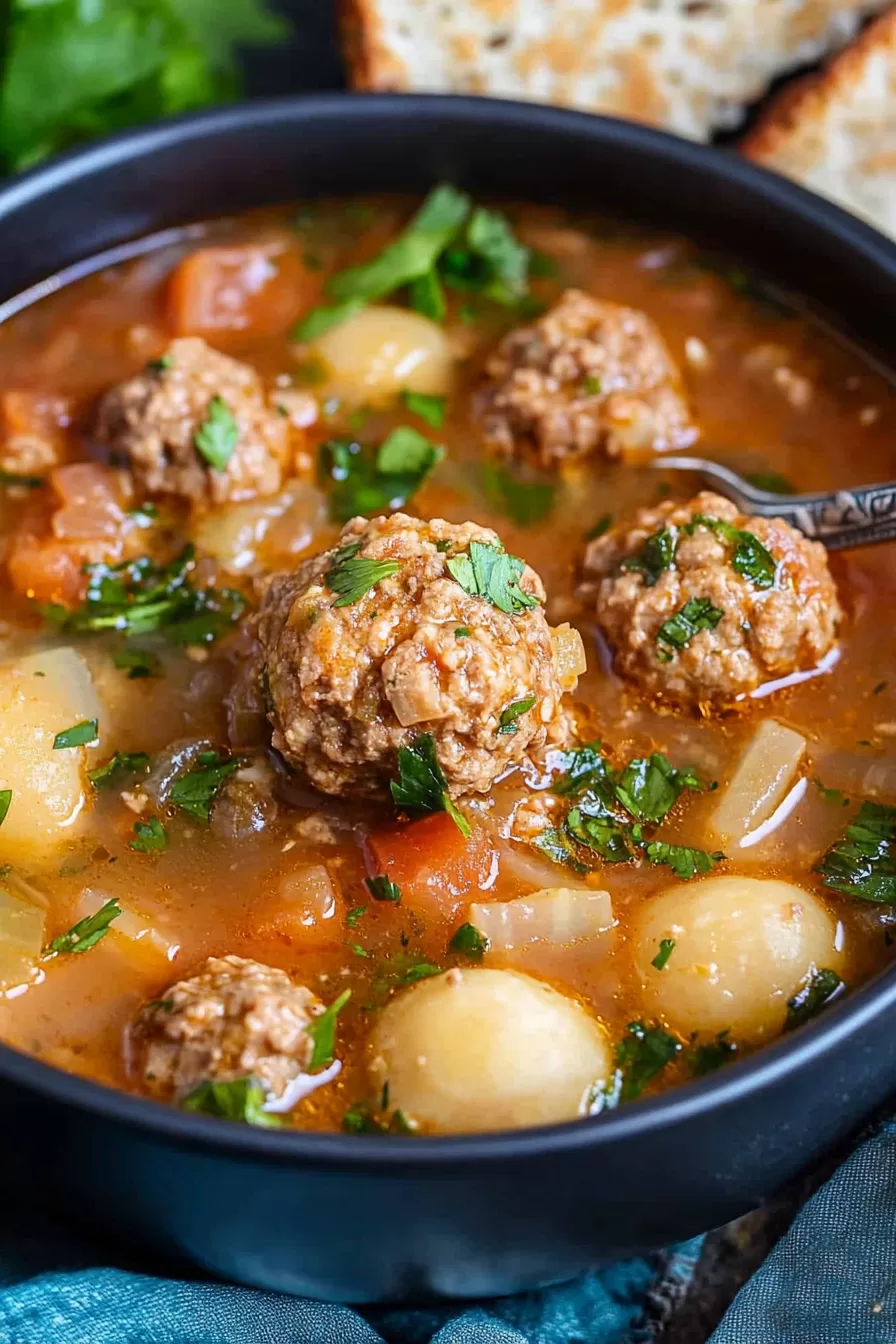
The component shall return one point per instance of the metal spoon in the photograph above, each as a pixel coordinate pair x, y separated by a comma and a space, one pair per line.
842, 518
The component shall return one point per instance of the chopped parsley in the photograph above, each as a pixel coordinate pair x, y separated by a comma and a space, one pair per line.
382, 889
363, 1117
655, 556
241, 1099
595, 828
749, 558
160, 365
355, 915
426, 296
697, 614
322, 1030
5, 800
469, 942
667, 947
351, 576
880, 688
650, 786
523, 501
819, 987
138, 663
487, 260
771, 482
429, 407
712, 1055
195, 790
12, 478
122, 763
150, 837
420, 970
641, 1055
600, 527
554, 843
863, 863
86, 933
368, 481
421, 786
591, 386
488, 572
585, 768
463, 632
833, 797
81, 735
512, 712
684, 861
216, 437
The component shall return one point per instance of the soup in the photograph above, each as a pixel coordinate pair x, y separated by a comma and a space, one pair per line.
390, 743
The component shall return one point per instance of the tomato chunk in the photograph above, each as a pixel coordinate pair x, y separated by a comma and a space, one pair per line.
436, 867
255, 288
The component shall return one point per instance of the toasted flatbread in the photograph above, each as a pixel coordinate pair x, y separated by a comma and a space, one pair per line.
836, 132
691, 68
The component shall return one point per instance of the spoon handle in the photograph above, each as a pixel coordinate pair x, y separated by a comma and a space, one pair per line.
843, 518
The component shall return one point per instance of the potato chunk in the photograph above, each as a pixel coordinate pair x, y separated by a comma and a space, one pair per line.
742, 946
374, 355
486, 1049
40, 696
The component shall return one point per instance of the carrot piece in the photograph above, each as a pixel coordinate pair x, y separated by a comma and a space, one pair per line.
435, 866
254, 288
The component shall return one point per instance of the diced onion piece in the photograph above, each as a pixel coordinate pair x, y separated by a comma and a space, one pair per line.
557, 915
381, 351
569, 654
763, 776
128, 925
21, 940
235, 534
40, 696
302, 911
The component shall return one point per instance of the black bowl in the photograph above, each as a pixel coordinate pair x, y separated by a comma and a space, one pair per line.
365, 1219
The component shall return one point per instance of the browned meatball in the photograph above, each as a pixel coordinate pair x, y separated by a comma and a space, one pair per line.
351, 679
233, 1019
587, 377
171, 422
703, 604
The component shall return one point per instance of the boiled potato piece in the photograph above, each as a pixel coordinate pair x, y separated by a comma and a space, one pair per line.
486, 1049
39, 697
380, 351
764, 775
742, 947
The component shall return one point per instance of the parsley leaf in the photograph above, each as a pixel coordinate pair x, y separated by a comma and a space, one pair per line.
650, 786
667, 947
469, 942
712, 1055
151, 837
684, 862
488, 260
368, 483
216, 437
81, 735
655, 556
641, 1055
512, 712
322, 1030
594, 827
602, 525
489, 572
355, 915
351, 575
5, 800
196, 789
863, 864
428, 407
771, 482
427, 297
382, 889
362, 1117
585, 768
122, 763
87, 932
818, 989
554, 844
697, 614
421, 786
138, 663
525, 502
749, 558
241, 1099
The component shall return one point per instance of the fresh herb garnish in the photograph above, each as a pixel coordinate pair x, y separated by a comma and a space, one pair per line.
749, 558
524, 501
369, 482
81, 735
487, 260
684, 861
593, 827
488, 572
863, 864
322, 1030
241, 1099
430, 408
833, 797
14, 478
150, 837
122, 763
584, 768
600, 527
667, 947
641, 1055
711, 1056
771, 482
421, 786
382, 889
554, 843
5, 800
420, 970
159, 365
656, 555
512, 712
650, 786
427, 297
138, 663
351, 576
470, 942
355, 915
591, 386
195, 790
880, 688
697, 614
362, 1117
819, 987
216, 437
462, 632
86, 933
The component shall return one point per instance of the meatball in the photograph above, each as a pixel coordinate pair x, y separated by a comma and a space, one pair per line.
233, 1019
587, 377
350, 679
170, 422
703, 604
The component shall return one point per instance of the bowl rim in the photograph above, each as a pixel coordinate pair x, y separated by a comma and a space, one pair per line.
773, 1063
